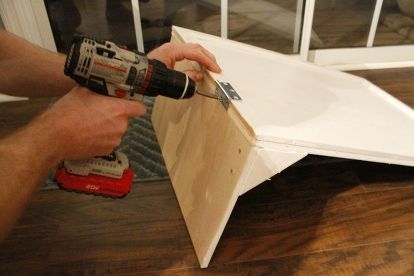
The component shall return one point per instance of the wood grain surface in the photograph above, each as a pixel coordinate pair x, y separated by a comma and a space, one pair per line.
203, 149
332, 218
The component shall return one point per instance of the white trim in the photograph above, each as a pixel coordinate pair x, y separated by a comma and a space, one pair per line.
44, 27
298, 26
364, 57
374, 23
7, 98
371, 66
29, 20
224, 18
137, 25
307, 29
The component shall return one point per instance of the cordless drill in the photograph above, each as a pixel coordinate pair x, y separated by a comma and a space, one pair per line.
109, 69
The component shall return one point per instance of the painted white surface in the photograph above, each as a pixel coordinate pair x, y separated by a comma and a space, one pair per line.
265, 163
295, 103
370, 66
7, 98
355, 56
306, 29
137, 25
374, 23
224, 21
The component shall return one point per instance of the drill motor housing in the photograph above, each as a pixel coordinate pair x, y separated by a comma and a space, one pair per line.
111, 70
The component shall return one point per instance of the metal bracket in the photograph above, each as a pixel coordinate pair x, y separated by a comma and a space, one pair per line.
225, 93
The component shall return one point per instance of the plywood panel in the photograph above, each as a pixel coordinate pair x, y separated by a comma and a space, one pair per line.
205, 157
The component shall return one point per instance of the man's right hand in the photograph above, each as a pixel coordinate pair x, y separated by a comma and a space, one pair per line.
83, 124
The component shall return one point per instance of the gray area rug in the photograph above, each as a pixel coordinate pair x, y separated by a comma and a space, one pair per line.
141, 146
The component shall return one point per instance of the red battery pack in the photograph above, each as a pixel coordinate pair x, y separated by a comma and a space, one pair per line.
96, 184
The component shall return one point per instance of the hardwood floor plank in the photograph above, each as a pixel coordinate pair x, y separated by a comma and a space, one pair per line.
145, 231
399, 82
391, 258
72, 232
377, 177
264, 231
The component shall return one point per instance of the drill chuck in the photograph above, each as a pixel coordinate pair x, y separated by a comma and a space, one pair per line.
109, 69
169, 83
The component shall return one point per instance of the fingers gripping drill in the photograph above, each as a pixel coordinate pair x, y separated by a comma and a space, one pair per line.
108, 69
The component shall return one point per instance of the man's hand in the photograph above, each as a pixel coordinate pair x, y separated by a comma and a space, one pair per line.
85, 124
80, 125
170, 53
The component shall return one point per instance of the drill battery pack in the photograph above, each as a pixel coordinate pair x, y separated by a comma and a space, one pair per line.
108, 176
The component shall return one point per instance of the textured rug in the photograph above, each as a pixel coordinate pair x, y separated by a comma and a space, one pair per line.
141, 146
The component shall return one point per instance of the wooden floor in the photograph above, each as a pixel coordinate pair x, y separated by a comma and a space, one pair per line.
346, 218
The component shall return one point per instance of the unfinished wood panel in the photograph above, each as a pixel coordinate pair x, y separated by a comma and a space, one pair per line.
205, 157
205, 152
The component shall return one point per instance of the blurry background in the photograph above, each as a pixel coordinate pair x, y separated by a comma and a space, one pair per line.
271, 24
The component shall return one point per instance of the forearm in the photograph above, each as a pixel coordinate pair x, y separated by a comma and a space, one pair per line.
26, 158
80, 125
28, 70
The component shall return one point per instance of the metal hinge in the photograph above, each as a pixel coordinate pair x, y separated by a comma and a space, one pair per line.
225, 93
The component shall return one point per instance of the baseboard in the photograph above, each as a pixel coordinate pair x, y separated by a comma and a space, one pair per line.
7, 98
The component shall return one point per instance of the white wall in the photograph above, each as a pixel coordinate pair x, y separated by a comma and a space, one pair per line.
1, 24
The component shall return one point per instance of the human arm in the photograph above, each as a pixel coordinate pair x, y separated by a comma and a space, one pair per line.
170, 53
80, 125
30, 71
